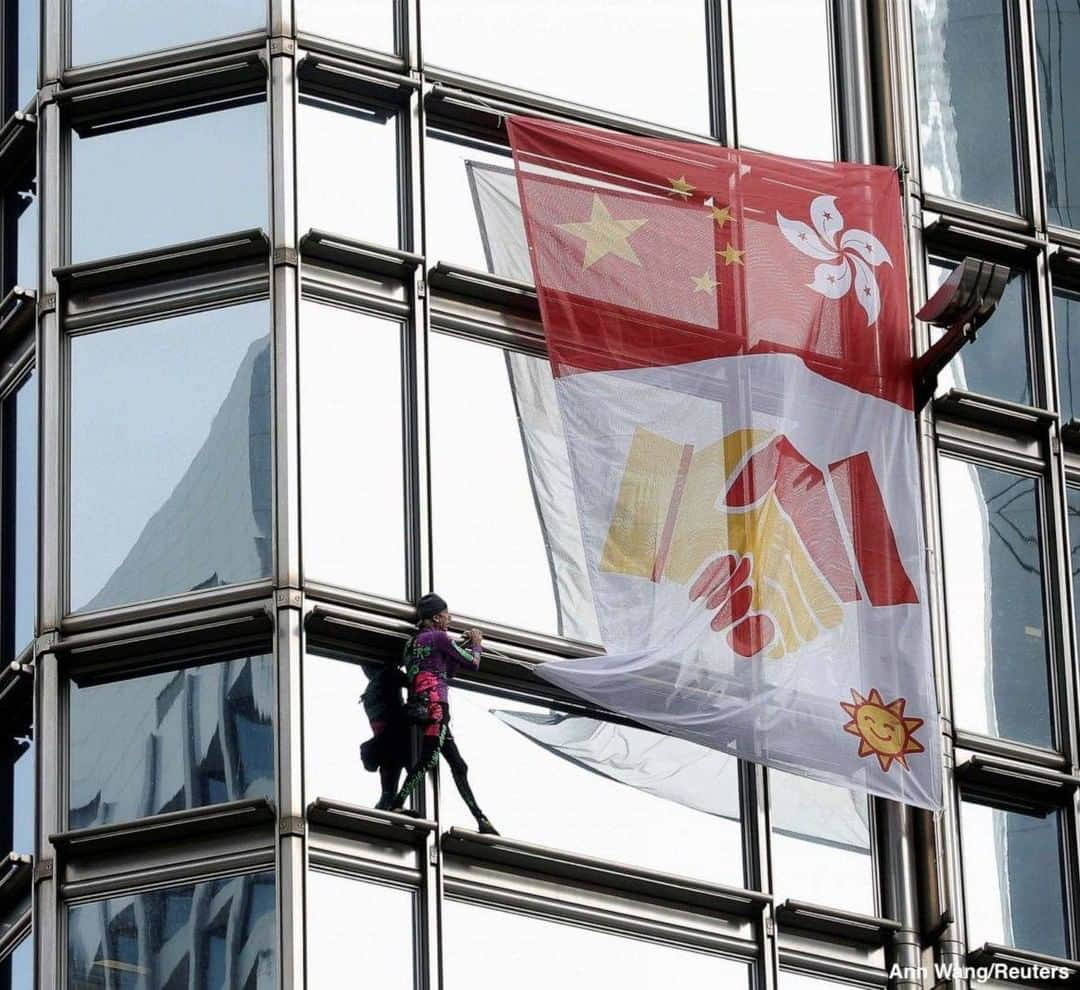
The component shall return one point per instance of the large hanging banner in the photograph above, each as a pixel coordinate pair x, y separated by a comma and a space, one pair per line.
730, 342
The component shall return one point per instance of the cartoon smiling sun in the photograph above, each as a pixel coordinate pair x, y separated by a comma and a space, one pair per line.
882, 729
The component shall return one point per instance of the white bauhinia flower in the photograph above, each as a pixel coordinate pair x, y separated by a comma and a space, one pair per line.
844, 265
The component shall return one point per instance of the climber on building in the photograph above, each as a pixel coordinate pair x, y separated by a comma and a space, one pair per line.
431, 660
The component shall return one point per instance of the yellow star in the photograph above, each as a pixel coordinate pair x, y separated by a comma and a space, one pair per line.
704, 283
731, 255
680, 187
604, 235
721, 214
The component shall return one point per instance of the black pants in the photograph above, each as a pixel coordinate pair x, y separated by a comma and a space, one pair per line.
432, 747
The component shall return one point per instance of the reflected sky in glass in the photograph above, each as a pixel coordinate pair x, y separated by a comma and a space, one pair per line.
642, 59
22, 820
482, 946
17, 970
490, 557
537, 795
994, 596
334, 728
1013, 879
339, 143
1072, 506
170, 741
20, 428
1067, 335
102, 30
353, 505
178, 936
783, 79
170, 456
354, 926
27, 29
20, 254
365, 23
833, 867
965, 122
170, 181
997, 363
1057, 70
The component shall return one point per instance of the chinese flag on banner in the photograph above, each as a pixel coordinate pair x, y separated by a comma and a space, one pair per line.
731, 344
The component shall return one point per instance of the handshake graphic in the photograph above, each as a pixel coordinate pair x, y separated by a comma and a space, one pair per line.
765, 540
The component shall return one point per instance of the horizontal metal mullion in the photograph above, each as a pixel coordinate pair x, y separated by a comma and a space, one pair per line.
990, 218
985, 445
15, 933
358, 868
353, 291
353, 80
17, 144
811, 964
318, 45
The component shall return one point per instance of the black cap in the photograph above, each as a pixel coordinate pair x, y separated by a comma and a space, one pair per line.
429, 606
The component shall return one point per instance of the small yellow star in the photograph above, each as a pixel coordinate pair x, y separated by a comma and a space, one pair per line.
721, 214
680, 187
704, 283
604, 235
731, 255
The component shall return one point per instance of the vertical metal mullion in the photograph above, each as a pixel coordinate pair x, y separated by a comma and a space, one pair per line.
716, 32
757, 865
725, 117
1026, 99
49, 812
853, 82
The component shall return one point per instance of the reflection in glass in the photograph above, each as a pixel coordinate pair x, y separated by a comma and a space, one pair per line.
348, 169
650, 61
18, 546
17, 780
783, 79
965, 121
365, 23
490, 555
20, 230
1057, 42
482, 945
25, 61
997, 364
1072, 506
171, 741
1067, 334
1013, 878
102, 30
17, 969
354, 926
596, 788
351, 450
994, 593
170, 456
335, 726
173, 180
453, 232
216, 934
821, 843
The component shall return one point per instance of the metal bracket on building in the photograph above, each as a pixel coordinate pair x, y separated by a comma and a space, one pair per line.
962, 305
292, 825
45, 643
47, 94
43, 870
282, 46
46, 303
285, 256
289, 598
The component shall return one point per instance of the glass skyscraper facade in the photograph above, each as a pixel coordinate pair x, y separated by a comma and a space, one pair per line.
255, 401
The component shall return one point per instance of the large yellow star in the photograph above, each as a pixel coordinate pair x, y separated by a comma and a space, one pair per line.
704, 283
680, 187
731, 255
721, 214
604, 235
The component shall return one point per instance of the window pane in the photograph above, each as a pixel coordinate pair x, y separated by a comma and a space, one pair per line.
453, 230
482, 946
821, 849
1057, 45
338, 143
1072, 500
648, 61
17, 781
783, 79
351, 449
558, 780
335, 726
490, 557
17, 969
355, 926
965, 122
997, 363
25, 33
1067, 334
106, 29
994, 592
20, 224
366, 23
171, 741
18, 423
170, 456
1013, 878
174, 180
192, 935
